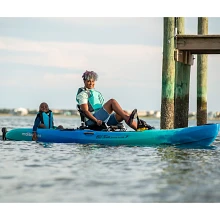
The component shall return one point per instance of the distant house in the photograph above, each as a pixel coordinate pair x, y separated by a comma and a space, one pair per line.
67, 113
56, 111
157, 114
210, 115
20, 111
150, 113
217, 114
142, 113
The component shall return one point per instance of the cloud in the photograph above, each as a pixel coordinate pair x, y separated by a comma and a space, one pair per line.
121, 60
61, 81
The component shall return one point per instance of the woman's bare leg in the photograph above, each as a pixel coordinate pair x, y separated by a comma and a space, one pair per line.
112, 105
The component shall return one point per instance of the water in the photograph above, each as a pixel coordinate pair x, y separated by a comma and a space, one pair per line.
33, 172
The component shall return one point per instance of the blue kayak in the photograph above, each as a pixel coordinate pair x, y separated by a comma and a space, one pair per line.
196, 136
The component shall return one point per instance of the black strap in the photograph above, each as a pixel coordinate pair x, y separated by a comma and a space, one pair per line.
91, 109
49, 117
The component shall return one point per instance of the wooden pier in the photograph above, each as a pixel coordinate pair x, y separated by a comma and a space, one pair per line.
184, 48
198, 44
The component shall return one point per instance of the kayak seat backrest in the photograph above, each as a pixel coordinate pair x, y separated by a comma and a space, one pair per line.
83, 122
82, 115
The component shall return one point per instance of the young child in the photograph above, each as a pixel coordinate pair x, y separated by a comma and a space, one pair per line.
44, 119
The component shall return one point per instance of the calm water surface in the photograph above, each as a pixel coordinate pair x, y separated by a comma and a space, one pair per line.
33, 172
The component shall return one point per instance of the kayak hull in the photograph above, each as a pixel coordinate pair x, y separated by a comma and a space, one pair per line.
191, 136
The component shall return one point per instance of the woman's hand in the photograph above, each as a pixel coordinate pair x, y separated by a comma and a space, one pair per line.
60, 127
99, 122
34, 136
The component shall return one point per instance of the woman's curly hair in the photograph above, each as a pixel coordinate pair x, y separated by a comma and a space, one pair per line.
90, 75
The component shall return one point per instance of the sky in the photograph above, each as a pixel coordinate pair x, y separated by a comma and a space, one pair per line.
42, 59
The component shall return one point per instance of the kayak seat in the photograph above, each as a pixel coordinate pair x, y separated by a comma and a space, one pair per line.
95, 127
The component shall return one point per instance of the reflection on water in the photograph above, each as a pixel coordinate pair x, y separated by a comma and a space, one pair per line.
193, 173
37, 172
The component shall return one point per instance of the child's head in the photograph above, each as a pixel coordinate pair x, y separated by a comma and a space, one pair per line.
44, 107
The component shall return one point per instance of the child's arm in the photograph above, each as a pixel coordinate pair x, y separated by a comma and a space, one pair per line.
36, 124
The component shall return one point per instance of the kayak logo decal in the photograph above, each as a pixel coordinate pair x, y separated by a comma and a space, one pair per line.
28, 134
110, 137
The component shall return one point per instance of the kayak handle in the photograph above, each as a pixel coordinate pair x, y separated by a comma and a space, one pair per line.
89, 133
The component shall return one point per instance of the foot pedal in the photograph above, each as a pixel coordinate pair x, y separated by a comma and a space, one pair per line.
142, 125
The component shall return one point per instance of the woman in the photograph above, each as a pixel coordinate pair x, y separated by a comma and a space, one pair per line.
92, 104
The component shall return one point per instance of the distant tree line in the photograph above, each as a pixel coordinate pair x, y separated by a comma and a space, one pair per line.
5, 111
35, 111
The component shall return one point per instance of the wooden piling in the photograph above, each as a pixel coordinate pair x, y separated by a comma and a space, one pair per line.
202, 66
182, 84
168, 75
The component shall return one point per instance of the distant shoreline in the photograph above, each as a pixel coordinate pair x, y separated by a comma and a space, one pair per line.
60, 116
77, 116
34, 115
